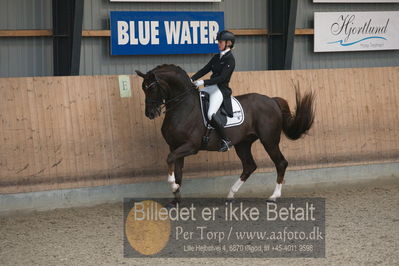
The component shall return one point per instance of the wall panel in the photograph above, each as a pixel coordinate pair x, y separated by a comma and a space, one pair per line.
64, 132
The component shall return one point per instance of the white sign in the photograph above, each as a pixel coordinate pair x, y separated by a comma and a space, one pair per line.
356, 1
356, 31
124, 86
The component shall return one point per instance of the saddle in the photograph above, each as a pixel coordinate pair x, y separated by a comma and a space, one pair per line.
238, 112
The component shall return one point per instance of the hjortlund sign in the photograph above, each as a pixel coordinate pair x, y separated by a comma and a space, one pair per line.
356, 31
153, 33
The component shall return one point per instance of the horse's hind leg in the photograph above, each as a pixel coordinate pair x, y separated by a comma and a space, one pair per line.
281, 164
243, 151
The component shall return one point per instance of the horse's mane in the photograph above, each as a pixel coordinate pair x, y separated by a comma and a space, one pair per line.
173, 68
169, 67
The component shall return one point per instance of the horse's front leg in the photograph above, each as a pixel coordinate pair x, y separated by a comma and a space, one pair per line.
179, 164
175, 162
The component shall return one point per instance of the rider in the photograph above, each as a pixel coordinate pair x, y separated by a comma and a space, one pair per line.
222, 66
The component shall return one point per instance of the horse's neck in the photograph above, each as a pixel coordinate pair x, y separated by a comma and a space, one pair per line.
182, 97
181, 110
176, 88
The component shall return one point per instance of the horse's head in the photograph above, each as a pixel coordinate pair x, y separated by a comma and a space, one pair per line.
162, 85
154, 93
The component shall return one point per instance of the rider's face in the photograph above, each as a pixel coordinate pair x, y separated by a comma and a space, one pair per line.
222, 45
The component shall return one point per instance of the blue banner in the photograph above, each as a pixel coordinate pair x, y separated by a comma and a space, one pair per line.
153, 33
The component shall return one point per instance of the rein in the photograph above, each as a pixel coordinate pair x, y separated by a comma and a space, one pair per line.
163, 104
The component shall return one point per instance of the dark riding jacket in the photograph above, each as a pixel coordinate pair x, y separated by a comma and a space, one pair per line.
222, 69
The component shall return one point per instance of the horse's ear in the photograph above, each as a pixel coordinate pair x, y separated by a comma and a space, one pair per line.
140, 74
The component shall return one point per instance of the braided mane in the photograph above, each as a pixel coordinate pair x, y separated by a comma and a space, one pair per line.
180, 72
169, 67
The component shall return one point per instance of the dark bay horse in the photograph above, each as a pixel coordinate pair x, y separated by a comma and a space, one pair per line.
170, 87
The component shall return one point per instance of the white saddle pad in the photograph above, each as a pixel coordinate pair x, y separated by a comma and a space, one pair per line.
238, 114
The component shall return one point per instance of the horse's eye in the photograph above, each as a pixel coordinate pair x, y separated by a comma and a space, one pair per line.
149, 86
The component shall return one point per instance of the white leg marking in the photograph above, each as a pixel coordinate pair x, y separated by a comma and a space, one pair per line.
171, 178
235, 188
277, 192
172, 182
175, 187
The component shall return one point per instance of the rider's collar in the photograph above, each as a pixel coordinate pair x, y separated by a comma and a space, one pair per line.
222, 53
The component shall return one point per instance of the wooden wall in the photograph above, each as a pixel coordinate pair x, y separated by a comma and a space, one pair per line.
66, 132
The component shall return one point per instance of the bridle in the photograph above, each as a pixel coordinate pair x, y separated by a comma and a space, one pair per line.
163, 104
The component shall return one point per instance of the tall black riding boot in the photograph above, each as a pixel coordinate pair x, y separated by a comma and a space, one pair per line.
226, 143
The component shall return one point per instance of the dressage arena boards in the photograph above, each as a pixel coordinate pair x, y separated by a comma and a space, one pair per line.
63, 136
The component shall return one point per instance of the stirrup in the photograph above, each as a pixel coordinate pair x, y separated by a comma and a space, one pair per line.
226, 145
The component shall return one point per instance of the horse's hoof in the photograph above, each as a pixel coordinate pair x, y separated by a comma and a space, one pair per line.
271, 200
230, 200
171, 204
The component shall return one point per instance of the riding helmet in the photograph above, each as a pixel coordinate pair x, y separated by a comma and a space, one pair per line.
226, 35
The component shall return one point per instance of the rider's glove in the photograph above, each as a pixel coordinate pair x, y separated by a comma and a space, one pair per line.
198, 83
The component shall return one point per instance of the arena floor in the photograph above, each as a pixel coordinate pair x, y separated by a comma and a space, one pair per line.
362, 222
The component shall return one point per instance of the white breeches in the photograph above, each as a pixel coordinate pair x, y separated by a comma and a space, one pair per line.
215, 99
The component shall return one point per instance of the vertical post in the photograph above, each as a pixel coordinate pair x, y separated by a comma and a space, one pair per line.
289, 50
67, 31
77, 36
282, 16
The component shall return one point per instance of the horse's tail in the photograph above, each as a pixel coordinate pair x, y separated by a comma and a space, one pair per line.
297, 124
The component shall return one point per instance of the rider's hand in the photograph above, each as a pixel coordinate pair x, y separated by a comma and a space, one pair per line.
198, 83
